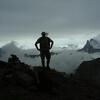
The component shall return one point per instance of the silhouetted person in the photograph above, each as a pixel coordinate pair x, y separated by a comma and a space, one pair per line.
45, 44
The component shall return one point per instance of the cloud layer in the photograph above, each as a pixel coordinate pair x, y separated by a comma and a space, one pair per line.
20, 18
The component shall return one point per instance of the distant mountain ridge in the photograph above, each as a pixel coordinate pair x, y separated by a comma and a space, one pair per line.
12, 48
62, 59
91, 46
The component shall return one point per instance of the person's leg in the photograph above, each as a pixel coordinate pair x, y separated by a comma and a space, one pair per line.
48, 56
42, 59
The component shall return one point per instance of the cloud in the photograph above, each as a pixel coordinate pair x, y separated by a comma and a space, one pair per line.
26, 17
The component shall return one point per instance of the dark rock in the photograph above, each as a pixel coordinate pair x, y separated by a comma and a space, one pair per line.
49, 79
13, 59
15, 72
89, 70
19, 82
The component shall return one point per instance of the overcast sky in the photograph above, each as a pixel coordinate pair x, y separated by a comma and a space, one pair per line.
25, 19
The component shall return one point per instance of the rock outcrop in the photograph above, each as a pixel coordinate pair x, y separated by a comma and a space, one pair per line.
18, 81
90, 71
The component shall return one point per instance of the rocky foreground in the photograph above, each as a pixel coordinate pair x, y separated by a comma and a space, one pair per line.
19, 82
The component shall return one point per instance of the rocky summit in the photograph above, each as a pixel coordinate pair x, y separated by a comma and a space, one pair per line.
19, 81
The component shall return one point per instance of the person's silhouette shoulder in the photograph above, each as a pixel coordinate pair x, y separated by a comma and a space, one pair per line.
44, 42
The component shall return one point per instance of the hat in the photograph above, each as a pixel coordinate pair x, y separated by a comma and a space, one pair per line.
12, 55
43, 33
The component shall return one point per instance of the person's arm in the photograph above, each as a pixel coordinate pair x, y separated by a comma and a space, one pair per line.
36, 44
51, 43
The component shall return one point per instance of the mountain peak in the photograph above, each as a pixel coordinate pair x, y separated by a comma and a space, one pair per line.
11, 48
91, 46
10, 45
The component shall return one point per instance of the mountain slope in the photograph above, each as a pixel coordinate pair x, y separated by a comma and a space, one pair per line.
9, 49
19, 82
90, 71
91, 46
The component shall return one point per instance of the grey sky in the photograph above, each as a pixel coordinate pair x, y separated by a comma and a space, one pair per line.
25, 18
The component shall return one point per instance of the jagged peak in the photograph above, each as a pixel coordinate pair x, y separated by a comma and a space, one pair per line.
91, 46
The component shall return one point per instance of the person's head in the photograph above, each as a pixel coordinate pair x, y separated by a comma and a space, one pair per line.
44, 34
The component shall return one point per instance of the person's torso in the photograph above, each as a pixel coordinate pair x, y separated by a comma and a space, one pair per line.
44, 43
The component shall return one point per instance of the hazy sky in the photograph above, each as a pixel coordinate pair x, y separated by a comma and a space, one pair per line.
25, 19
